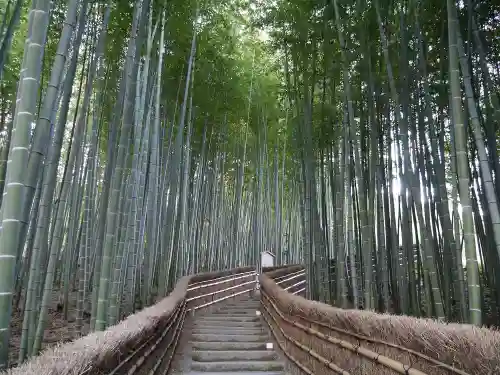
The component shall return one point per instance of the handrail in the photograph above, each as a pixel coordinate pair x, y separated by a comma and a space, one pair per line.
226, 279
146, 341
141, 353
234, 277
221, 299
291, 278
310, 322
294, 285
283, 278
144, 346
279, 278
301, 346
369, 354
284, 272
297, 291
381, 342
219, 291
218, 280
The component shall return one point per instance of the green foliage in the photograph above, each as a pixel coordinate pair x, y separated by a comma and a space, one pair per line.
15, 56
232, 62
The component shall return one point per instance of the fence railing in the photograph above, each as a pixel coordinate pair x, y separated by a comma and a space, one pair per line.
290, 278
202, 284
321, 339
144, 342
210, 292
317, 338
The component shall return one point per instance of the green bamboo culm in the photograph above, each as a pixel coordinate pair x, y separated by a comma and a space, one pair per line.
17, 161
473, 284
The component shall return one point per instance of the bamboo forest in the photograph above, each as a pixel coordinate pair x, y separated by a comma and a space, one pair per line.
144, 140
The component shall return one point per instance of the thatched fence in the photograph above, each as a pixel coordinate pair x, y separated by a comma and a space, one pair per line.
321, 339
146, 340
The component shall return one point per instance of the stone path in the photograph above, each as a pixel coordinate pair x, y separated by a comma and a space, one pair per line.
232, 340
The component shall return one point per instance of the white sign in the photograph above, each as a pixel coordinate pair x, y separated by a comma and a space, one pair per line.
267, 259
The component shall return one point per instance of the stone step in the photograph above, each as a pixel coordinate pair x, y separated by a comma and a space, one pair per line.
228, 330
238, 318
246, 302
239, 373
218, 345
234, 355
237, 366
235, 312
228, 337
228, 323
232, 340
255, 306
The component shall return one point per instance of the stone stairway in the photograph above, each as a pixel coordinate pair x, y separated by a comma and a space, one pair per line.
232, 340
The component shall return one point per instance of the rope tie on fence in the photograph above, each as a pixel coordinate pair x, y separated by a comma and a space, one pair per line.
407, 370
356, 348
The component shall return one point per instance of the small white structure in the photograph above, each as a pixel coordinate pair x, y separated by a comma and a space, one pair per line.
267, 259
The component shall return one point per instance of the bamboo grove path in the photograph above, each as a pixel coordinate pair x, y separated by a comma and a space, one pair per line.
239, 322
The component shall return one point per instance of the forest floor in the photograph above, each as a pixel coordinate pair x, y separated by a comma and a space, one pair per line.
58, 329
